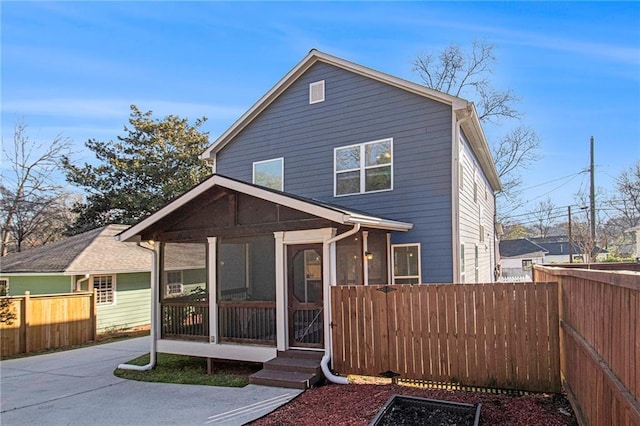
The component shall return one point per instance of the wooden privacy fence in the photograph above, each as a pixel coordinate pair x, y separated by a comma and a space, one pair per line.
501, 335
600, 342
48, 321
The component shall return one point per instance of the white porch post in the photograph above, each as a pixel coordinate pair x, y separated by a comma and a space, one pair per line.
212, 276
281, 292
156, 290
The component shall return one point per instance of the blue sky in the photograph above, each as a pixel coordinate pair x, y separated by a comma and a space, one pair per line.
73, 68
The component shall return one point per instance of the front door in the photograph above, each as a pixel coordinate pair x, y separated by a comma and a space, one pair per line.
304, 295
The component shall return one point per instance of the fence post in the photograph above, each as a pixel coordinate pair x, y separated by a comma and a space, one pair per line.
25, 316
94, 314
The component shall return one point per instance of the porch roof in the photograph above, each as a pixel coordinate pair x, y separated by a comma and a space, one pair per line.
316, 208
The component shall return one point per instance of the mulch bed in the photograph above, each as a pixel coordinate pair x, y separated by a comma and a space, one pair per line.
357, 404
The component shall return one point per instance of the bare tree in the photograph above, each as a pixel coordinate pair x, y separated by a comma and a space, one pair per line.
545, 215
468, 74
30, 197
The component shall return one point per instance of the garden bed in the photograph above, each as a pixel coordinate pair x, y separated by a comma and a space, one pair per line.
357, 404
413, 410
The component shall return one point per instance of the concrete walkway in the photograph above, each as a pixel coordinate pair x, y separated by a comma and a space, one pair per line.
77, 387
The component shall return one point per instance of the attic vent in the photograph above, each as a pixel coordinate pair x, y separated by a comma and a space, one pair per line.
316, 92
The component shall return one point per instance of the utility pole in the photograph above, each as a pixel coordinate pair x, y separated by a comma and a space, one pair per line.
592, 199
570, 236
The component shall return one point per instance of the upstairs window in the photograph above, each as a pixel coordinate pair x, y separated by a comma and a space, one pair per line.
269, 173
362, 168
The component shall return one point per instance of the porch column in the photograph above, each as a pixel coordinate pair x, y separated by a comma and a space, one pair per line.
156, 290
212, 276
281, 293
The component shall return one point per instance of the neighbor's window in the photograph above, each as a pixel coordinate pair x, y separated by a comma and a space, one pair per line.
174, 284
406, 263
365, 167
4, 287
269, 173
526, 264
105, 289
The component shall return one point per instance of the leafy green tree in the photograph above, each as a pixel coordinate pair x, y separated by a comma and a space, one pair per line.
156, 161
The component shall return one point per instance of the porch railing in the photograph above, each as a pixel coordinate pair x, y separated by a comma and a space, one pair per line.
247, 321
185, 319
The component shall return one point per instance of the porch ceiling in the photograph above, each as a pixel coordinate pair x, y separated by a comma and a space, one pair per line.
223, 206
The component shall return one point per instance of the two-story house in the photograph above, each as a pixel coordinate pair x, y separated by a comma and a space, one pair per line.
339, 175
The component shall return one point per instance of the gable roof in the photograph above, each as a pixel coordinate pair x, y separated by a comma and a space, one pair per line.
92, 252
322, 210
559, 246
462, 108
520, 247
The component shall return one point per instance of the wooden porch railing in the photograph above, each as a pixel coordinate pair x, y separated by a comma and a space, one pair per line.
242, 321
185, 319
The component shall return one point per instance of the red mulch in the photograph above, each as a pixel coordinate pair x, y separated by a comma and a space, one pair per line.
357, 404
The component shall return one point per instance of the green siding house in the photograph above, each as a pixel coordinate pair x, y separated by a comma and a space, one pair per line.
120, 273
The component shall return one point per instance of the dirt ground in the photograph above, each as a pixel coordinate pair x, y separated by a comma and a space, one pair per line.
357, 404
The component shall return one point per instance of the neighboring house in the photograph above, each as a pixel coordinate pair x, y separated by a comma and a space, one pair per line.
636, 252
338, 175
560, 251
92, 260
518, 256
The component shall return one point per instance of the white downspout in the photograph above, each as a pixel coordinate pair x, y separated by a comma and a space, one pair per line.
324, 364
154, 309
77, 286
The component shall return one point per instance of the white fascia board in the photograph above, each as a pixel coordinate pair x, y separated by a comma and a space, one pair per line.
378, 223
32, 274
106, 271
311, 58
479, 145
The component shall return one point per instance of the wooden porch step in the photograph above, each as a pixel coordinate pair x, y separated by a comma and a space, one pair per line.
290, 369
299, 365
284, 379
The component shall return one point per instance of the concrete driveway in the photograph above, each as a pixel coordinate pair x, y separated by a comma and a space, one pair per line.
77, 387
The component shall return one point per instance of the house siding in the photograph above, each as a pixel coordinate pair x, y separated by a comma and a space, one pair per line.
357, 110
132, 307
38, 284
472, 214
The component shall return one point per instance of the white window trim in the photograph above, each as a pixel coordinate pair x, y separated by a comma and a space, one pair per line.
393, 269
462, 263
362, 169
311, 89
281, 159
6, 280
113, 288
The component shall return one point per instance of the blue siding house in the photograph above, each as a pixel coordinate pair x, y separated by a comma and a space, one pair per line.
339, 175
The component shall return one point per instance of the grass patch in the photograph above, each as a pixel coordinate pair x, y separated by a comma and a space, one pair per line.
191, 370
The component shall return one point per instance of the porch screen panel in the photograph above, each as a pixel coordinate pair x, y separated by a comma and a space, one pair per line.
377, 246
185, 291
247, 289
349, 261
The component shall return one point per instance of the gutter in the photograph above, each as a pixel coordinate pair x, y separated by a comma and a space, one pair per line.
324, 364
154, 309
